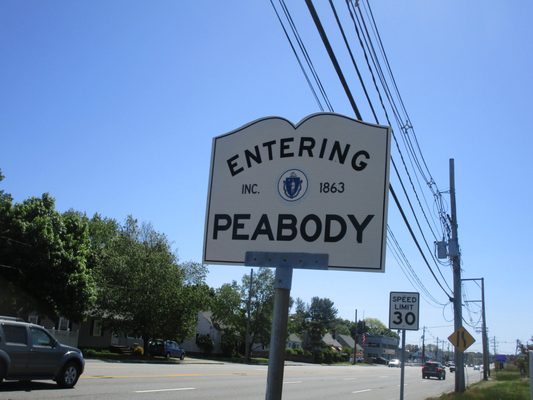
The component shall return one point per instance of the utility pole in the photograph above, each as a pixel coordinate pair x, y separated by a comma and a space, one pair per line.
423, 345
484, 338
355, 340
455, 256
248, 311
437, 351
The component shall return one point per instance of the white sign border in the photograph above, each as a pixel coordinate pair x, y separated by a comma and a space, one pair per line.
417, 294
296, 126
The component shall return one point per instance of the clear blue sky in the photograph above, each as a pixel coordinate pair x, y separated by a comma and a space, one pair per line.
111, 106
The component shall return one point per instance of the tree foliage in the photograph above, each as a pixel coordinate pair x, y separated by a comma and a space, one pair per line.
43, 257
230, 310
142, 289
374, 326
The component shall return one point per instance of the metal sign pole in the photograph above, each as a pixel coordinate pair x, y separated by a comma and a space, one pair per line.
284, 264
278, 335
402, 373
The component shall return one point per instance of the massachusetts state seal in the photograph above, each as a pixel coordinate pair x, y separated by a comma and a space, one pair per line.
292, 185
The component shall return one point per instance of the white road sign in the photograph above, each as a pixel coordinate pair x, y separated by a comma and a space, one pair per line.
403, 310
316, 187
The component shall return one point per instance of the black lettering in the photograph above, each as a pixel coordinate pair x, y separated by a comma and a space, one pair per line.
263, 228
284, 146
222, 223
303, 227
360, 227
256, 156
239, 225
323, 148
328, 237
286, 222
306, 147
269, 145
360, 165
336, 150
232, 164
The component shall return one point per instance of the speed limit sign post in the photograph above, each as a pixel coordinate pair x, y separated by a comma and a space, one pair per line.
404, 308
403, 315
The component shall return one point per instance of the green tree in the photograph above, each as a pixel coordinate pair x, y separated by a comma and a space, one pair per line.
141, 287
261, 305
298, 320
375, 327
228, 316
230, 310
322, 316
43, 257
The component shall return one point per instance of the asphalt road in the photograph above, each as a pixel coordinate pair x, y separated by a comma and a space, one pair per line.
201, 380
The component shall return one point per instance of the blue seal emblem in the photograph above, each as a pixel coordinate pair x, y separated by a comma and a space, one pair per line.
292, 185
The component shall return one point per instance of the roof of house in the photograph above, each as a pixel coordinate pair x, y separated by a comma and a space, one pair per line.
294, 338
330, 341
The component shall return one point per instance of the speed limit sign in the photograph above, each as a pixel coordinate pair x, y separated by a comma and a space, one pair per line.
403, 310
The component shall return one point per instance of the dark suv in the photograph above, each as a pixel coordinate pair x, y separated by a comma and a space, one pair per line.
28, 351
433, 368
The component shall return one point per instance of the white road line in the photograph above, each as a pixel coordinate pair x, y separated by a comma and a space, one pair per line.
292, 382
362, 391
350, 379
163, 390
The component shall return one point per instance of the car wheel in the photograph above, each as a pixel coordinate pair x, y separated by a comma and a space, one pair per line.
69, 375
3, 370
182, 356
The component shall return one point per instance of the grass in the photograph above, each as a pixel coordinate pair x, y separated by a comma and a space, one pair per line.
503, 385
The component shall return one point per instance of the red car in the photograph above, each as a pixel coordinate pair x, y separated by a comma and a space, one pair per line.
433, 368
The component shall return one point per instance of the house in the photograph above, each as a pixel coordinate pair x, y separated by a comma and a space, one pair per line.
379, 346
204, 327
93, 334
294, 342
348, 341
64, 330
331, 342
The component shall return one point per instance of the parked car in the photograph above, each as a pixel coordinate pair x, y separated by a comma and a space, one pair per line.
165, 348
452, 367
380, 360
29, 351
477, 367
395, 363
433, 368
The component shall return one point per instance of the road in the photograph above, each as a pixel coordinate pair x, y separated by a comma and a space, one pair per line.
201, 380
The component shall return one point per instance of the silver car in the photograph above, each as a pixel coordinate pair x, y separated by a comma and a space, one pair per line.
28, 351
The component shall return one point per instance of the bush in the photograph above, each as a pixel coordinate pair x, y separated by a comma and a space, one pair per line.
205, 343
90, 352
138, 350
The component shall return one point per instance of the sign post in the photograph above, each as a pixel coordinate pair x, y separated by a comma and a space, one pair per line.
404, 308
311, 195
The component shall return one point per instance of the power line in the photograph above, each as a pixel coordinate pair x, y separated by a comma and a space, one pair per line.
340, 74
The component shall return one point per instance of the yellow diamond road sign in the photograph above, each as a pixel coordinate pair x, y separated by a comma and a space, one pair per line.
461, 339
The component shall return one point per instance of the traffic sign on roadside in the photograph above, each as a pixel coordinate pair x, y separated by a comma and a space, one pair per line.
319, 187
404, 309
461, 339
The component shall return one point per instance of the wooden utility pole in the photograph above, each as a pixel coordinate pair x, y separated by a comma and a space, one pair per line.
355, 340
248, 356
455, 255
